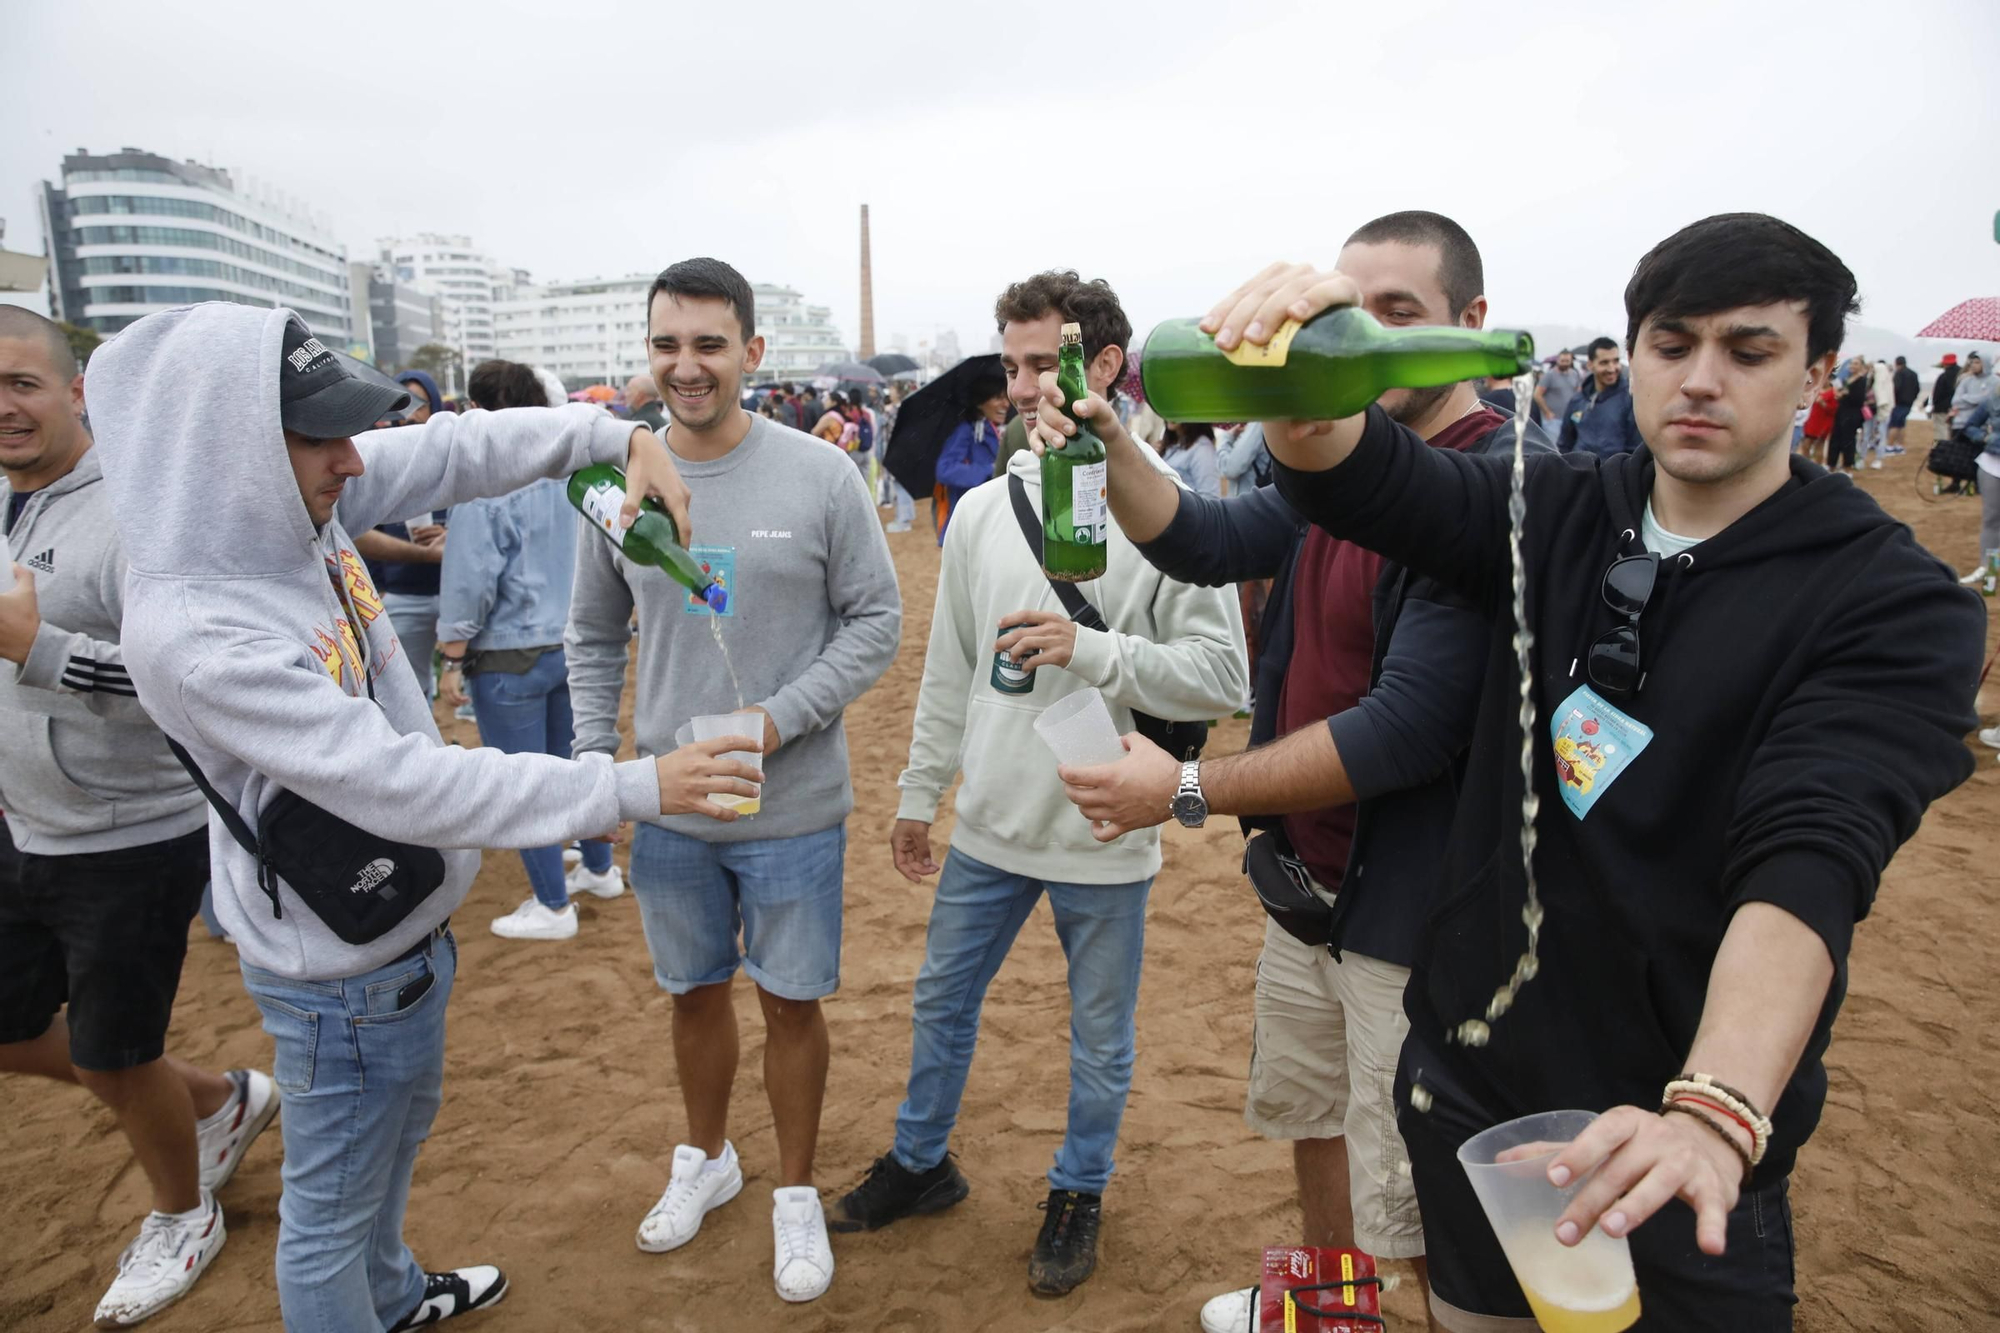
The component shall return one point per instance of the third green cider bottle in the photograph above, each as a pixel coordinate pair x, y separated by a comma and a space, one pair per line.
1076, 520
1332, 367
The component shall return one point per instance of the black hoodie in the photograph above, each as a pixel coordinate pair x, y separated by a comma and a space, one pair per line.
1809, 681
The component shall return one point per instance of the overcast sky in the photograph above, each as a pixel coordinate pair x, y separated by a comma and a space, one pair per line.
1169, 147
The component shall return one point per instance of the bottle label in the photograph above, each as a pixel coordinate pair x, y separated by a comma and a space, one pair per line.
1009, 677
601, 503
1272, 353
1089, 511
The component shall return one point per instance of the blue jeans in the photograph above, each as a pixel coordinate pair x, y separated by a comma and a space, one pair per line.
415, 617
783, 893
975, 916
351, 1141
529, 714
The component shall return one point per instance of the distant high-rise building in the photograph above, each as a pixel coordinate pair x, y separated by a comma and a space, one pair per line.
945, 350
798, 338
401, 318
466, 282
591, 332
132, 232
594, 331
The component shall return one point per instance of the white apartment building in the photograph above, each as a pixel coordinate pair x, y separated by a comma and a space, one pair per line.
132, 232
467, 282
594, 332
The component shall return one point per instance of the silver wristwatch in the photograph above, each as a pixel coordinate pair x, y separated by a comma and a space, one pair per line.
1190, 807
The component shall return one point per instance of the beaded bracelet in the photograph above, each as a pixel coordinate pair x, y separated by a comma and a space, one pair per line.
1682, 1108
1728, 1098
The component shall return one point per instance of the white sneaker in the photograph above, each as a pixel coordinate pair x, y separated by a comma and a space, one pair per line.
1876, 465
160, 1266
804, 1267
582, 879
897, 527
222, 1139
1990, 737
1232, 1312
532, 921
1974, 579
459, 1291
572, 857
692, 1193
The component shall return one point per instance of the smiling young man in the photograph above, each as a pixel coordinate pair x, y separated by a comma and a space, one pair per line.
257, 642
1599, 418
1726, 759
104, 848
1002, 651
813, 617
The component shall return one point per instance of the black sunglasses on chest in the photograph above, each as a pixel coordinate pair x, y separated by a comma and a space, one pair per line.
1613, 661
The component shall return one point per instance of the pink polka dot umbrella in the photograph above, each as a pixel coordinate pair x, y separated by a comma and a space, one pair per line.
1977, 319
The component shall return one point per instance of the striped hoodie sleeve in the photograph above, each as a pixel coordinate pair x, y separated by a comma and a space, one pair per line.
91, 669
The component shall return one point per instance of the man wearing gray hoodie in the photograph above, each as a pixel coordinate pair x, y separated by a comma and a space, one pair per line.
255, 639
102, 851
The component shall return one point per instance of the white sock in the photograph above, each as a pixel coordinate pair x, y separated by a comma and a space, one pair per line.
724, 1162
236, 1092
194, 1214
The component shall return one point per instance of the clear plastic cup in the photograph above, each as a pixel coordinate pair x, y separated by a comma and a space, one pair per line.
1588, 1288
714, 728
1079, 729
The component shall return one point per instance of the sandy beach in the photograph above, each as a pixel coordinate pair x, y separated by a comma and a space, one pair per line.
560, 1108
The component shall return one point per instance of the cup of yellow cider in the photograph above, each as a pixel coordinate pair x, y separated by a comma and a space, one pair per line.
717, 726
1585, 1288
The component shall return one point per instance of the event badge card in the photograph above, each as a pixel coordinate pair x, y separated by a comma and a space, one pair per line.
719, 563
1594, 743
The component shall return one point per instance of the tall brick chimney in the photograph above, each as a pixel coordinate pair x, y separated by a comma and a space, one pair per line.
867, 293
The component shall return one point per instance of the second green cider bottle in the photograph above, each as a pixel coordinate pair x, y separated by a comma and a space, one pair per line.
1076, 518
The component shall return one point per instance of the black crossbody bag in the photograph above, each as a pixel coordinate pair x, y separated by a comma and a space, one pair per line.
1182, 740
360, 884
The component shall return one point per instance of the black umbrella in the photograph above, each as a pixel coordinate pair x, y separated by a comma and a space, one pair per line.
852, 372
928, 417
891, 362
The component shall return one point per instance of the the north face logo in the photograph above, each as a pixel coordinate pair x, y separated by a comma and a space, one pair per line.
373, 875
45, 562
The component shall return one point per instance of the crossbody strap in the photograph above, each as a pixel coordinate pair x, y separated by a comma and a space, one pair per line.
230, 819
1079, 607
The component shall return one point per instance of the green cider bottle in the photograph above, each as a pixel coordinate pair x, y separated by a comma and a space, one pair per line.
599, 493
1331, 367
1076, 518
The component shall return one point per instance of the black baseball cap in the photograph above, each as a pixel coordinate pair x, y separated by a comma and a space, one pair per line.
319, 397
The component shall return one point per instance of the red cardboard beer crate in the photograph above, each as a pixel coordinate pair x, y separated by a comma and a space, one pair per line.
1340, 1284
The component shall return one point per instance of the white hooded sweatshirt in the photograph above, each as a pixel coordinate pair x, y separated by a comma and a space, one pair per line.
243, 651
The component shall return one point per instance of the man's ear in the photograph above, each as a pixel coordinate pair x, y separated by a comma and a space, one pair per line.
753, 354
1108, 366
1474, 314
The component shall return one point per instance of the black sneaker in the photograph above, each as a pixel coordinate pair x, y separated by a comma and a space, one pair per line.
891, 1191
457, 1292
1066, 1251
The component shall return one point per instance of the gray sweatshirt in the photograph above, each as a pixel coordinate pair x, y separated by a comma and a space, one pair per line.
786, 523
242, 649
82, 768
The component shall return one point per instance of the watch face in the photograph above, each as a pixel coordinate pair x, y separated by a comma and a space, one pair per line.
1190, 810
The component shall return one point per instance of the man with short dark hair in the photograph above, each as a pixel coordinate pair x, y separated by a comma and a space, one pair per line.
405, 557
994, 665
1599, 420
1364, 690
1907, 390
257, 642
812, 621
1557, 385
1724, 769
104, 847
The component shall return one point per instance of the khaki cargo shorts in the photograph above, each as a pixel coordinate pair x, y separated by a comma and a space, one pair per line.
1323, 1066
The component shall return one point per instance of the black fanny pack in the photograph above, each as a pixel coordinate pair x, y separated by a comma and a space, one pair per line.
361, 885
1182, 740
1285, 888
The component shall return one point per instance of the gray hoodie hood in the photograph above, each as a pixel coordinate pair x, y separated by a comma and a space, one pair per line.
261, 645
